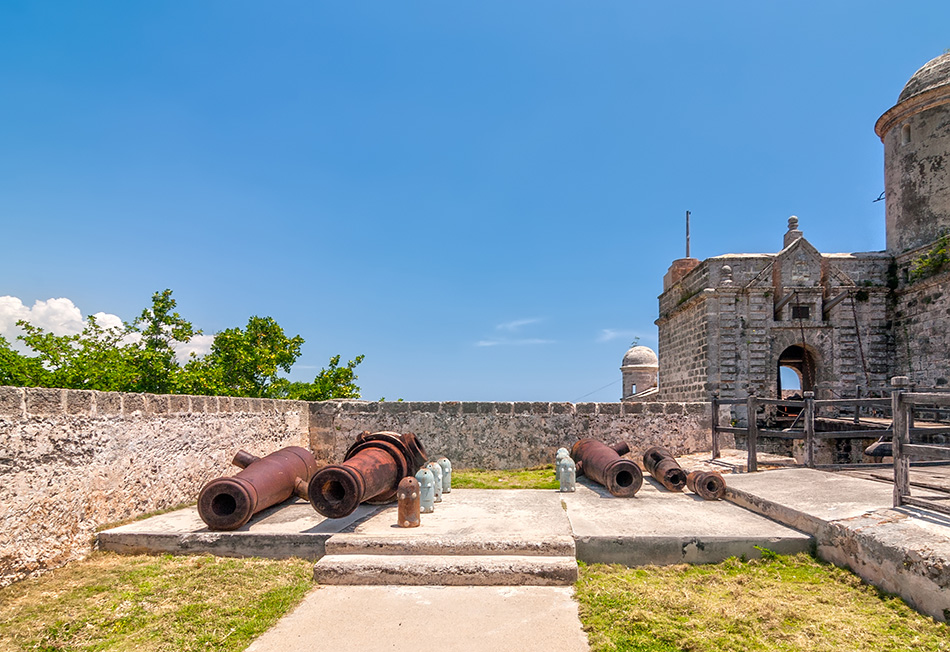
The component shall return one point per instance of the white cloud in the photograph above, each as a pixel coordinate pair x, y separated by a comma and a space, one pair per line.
199, 345
106, 320
62, 317
512, 326
507, 342
58, 316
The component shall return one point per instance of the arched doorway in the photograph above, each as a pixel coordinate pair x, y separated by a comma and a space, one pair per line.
796, 371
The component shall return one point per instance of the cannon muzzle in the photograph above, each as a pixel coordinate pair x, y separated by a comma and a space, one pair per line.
229, 503
603, 464
664, 468
371, 471
708, 484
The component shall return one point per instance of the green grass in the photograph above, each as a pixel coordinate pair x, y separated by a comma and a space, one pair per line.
539, 477
115, 602
779, 603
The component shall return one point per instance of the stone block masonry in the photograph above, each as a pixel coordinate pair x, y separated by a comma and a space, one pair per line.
510, 435
73, 460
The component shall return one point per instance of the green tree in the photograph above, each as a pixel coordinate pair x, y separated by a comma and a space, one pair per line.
96, 358
330, 383
154, 358
140, 357
246, 362
19, 370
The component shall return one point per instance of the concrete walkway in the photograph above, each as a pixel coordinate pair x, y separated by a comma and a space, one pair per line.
444, 618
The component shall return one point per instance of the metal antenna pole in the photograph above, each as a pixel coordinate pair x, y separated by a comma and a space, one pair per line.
687, 234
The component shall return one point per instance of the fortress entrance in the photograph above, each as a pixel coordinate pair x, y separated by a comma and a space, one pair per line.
796, 371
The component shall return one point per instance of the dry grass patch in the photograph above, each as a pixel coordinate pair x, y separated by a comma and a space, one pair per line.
538, 477
778, 603
117, 602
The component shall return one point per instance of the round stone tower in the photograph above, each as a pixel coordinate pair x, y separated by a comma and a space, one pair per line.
916, 137
639, 368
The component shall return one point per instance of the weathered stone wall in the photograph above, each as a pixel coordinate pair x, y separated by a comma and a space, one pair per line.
683, 340
71, 461
921, 327
510, 435
916, 181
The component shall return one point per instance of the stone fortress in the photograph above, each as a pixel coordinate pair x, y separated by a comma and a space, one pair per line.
842, 322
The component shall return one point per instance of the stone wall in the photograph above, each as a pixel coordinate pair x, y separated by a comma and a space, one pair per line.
510, 435
922, 329
683, 340
72, 460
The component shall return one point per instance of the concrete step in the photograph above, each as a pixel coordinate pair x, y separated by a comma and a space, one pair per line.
446, 570
411, 543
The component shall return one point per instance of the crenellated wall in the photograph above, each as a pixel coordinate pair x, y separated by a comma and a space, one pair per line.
72, 460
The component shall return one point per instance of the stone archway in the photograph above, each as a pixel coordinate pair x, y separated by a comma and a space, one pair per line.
803, 363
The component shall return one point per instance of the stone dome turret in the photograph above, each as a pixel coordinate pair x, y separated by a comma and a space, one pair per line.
933, 74
639, 371
640, 356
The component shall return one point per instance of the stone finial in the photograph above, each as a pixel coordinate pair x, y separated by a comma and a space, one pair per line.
726, 272
793, 232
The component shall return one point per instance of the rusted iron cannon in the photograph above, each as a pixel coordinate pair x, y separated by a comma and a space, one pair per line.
664, 468
229, 503
708, 484
371, 471
603, 464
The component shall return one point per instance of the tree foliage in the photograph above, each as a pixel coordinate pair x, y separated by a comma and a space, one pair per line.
332, 382
141, 357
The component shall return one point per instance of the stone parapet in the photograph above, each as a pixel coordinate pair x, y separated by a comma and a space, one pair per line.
73, 460
510, 435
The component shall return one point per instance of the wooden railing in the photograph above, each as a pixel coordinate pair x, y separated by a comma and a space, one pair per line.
808, 408
903, 405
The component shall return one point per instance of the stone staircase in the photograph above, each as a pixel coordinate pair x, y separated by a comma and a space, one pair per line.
448, 560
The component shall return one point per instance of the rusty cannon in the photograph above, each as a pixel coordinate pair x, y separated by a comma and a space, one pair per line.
371, 471
229, 503
708, 484
603, 464
664, 468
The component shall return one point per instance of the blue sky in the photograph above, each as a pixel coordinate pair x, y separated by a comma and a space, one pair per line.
480, 197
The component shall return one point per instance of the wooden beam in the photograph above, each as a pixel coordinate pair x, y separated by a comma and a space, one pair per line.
831, 303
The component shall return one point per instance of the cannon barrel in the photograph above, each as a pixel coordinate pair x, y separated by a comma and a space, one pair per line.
229, 503
371, 471
603, 464
708, 484
664, 468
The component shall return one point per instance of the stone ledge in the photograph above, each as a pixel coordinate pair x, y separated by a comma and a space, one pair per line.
12, 401
45, 402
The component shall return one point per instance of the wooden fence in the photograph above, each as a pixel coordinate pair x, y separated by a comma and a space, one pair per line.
808, 409
903, 405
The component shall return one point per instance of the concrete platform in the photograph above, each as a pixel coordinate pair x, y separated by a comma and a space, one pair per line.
475, 537
291, 529
661, 527
447, 618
